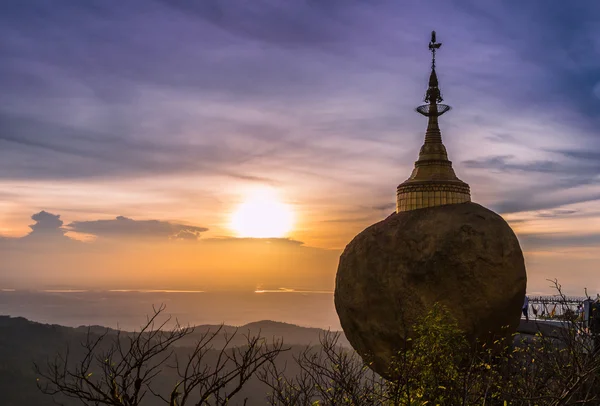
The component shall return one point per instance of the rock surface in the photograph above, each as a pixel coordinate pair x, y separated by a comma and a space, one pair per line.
463, 256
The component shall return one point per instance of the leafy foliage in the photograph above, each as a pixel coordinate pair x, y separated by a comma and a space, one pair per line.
440, 367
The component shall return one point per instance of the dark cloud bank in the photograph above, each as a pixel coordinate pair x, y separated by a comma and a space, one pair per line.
50, 227
126, 227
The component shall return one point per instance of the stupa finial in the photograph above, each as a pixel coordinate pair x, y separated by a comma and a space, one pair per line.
433, 96
433, 46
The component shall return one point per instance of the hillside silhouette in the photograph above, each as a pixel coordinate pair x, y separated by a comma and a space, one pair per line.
24, 342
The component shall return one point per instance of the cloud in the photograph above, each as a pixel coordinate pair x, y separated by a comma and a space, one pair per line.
588, 156
98, 154
556, 213
48, 228
558, 241
225, 240
186, 235
501, 163
306, 23
571, 167
567, 179
385, 207
540, 198
126, 227
46, 222
47, 236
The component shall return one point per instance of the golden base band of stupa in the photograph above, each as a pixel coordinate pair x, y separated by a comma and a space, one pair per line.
421, 195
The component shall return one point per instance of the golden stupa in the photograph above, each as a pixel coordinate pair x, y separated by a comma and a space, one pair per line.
433, 181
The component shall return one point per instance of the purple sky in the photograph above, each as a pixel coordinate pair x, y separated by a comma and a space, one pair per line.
168, 111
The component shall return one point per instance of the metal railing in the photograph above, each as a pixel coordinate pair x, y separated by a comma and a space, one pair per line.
555, 307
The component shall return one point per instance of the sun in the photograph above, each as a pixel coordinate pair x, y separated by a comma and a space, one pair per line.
262, 215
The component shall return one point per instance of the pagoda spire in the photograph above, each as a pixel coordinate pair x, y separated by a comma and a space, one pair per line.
433, 109
433, 181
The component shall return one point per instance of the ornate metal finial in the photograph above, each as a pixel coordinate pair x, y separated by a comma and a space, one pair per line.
433, 96
433, 46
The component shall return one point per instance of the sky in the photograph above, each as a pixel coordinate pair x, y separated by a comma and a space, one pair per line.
131, 132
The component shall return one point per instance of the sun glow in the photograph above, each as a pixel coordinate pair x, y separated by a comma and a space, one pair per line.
262, 215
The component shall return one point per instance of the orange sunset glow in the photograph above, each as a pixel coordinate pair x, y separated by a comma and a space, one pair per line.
262, 215
218, 151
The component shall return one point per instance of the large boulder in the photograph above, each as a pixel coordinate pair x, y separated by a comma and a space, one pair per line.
463, 256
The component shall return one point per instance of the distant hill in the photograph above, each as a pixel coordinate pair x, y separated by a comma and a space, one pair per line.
289, 333
23, 342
